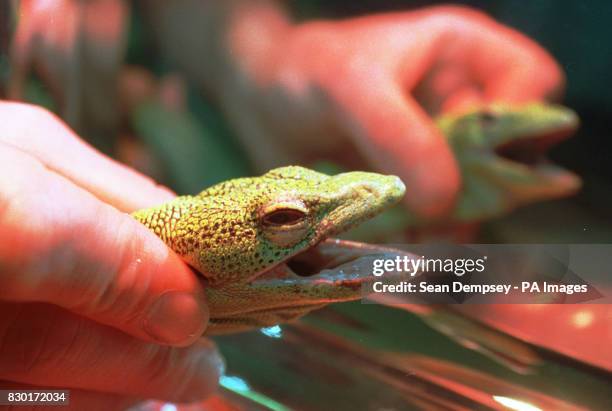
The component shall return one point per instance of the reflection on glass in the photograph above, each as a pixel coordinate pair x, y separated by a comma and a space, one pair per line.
273, 332
239, 386
514, 404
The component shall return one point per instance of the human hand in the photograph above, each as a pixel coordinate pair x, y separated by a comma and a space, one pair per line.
369, 87
379, 79
90, 299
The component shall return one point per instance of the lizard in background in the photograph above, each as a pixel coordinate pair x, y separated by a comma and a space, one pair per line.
501, 152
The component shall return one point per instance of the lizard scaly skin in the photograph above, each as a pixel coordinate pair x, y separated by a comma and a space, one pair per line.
238, 233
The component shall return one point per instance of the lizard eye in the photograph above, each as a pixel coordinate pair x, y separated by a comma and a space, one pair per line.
284, 216
487, 118
285, 222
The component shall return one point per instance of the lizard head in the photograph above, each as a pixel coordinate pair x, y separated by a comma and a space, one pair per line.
501, 152
248, 225
262, 243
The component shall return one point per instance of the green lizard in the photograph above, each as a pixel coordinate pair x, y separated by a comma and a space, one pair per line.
262, 243
500, 149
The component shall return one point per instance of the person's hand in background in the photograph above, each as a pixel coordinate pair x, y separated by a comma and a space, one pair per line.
90, 300
297, 92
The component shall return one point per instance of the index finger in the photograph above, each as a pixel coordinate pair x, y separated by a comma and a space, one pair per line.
61, 245
45, 137
509, 65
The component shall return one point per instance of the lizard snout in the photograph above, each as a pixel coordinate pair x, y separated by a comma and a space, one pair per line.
362, 184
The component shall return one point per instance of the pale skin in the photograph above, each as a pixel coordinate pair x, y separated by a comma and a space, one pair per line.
82, 252
89, 195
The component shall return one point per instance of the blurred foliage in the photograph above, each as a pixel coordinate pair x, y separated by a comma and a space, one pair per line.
194, 156
37, 93
208, 152
7, 21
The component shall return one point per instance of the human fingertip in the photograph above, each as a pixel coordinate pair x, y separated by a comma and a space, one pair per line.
462, 100
437, 191
176, 318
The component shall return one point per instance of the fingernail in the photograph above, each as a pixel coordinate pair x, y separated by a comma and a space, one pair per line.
176, 318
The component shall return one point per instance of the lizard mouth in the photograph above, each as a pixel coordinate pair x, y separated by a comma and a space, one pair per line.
341, 262
331, 271
526, 159
531, 150
327, 254
328, 272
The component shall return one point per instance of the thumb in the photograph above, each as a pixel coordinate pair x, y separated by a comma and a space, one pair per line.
396, 136
61, 245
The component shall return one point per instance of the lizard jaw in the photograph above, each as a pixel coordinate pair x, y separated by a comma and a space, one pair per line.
328, 272
528, 156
